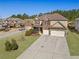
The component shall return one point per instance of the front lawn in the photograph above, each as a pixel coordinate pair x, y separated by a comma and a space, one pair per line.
73, 43
23, 42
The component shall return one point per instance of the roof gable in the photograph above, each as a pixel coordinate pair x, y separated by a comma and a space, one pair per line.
58, 24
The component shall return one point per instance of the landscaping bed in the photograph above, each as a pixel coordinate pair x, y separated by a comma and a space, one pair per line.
23, 42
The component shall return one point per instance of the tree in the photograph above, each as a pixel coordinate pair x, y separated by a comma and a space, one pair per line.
25, 16
41, 14
14, 16
69, 14
33, 16
19, 16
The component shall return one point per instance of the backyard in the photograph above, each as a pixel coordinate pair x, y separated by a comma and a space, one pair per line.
23, 41
73, 43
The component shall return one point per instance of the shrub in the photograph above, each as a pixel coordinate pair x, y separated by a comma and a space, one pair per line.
29, 32
23, 38
71, 26
8, 46
14, 45
11, 45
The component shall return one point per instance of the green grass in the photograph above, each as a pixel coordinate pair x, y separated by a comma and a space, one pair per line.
73, 43
23, 44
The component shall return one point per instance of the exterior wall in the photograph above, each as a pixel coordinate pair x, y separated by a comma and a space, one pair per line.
57, 25
65, 23
40, 22
52, 22
37, 22
45, 32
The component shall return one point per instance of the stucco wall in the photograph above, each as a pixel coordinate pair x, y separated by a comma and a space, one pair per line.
65, 23
40, 22
57, 25
52, 22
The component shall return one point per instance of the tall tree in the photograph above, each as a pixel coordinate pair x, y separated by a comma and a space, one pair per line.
25, 16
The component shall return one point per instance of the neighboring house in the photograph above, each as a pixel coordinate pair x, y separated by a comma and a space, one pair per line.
14, 22
77, 24
2, 28
51, 24
28, 24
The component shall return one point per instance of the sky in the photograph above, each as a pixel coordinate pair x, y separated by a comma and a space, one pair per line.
31, 7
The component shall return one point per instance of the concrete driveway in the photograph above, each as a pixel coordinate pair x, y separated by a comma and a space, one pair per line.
47, 47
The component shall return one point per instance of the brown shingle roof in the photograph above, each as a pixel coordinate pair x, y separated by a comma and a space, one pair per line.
54, 16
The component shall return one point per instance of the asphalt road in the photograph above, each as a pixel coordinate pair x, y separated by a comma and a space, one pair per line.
47, 47
9, 33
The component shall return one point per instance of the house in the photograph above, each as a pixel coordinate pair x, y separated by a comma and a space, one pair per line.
77, 24
14, 22
2, 28
28, 23
51, 24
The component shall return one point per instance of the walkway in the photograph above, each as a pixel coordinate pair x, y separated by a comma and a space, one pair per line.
47, 47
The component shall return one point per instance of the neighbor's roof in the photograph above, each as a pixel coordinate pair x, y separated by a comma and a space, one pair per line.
28, 22
54, 16
17, 19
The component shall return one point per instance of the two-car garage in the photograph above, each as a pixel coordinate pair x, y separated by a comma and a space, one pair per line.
54, 32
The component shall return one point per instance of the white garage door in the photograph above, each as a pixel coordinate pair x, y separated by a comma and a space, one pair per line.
57, 33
